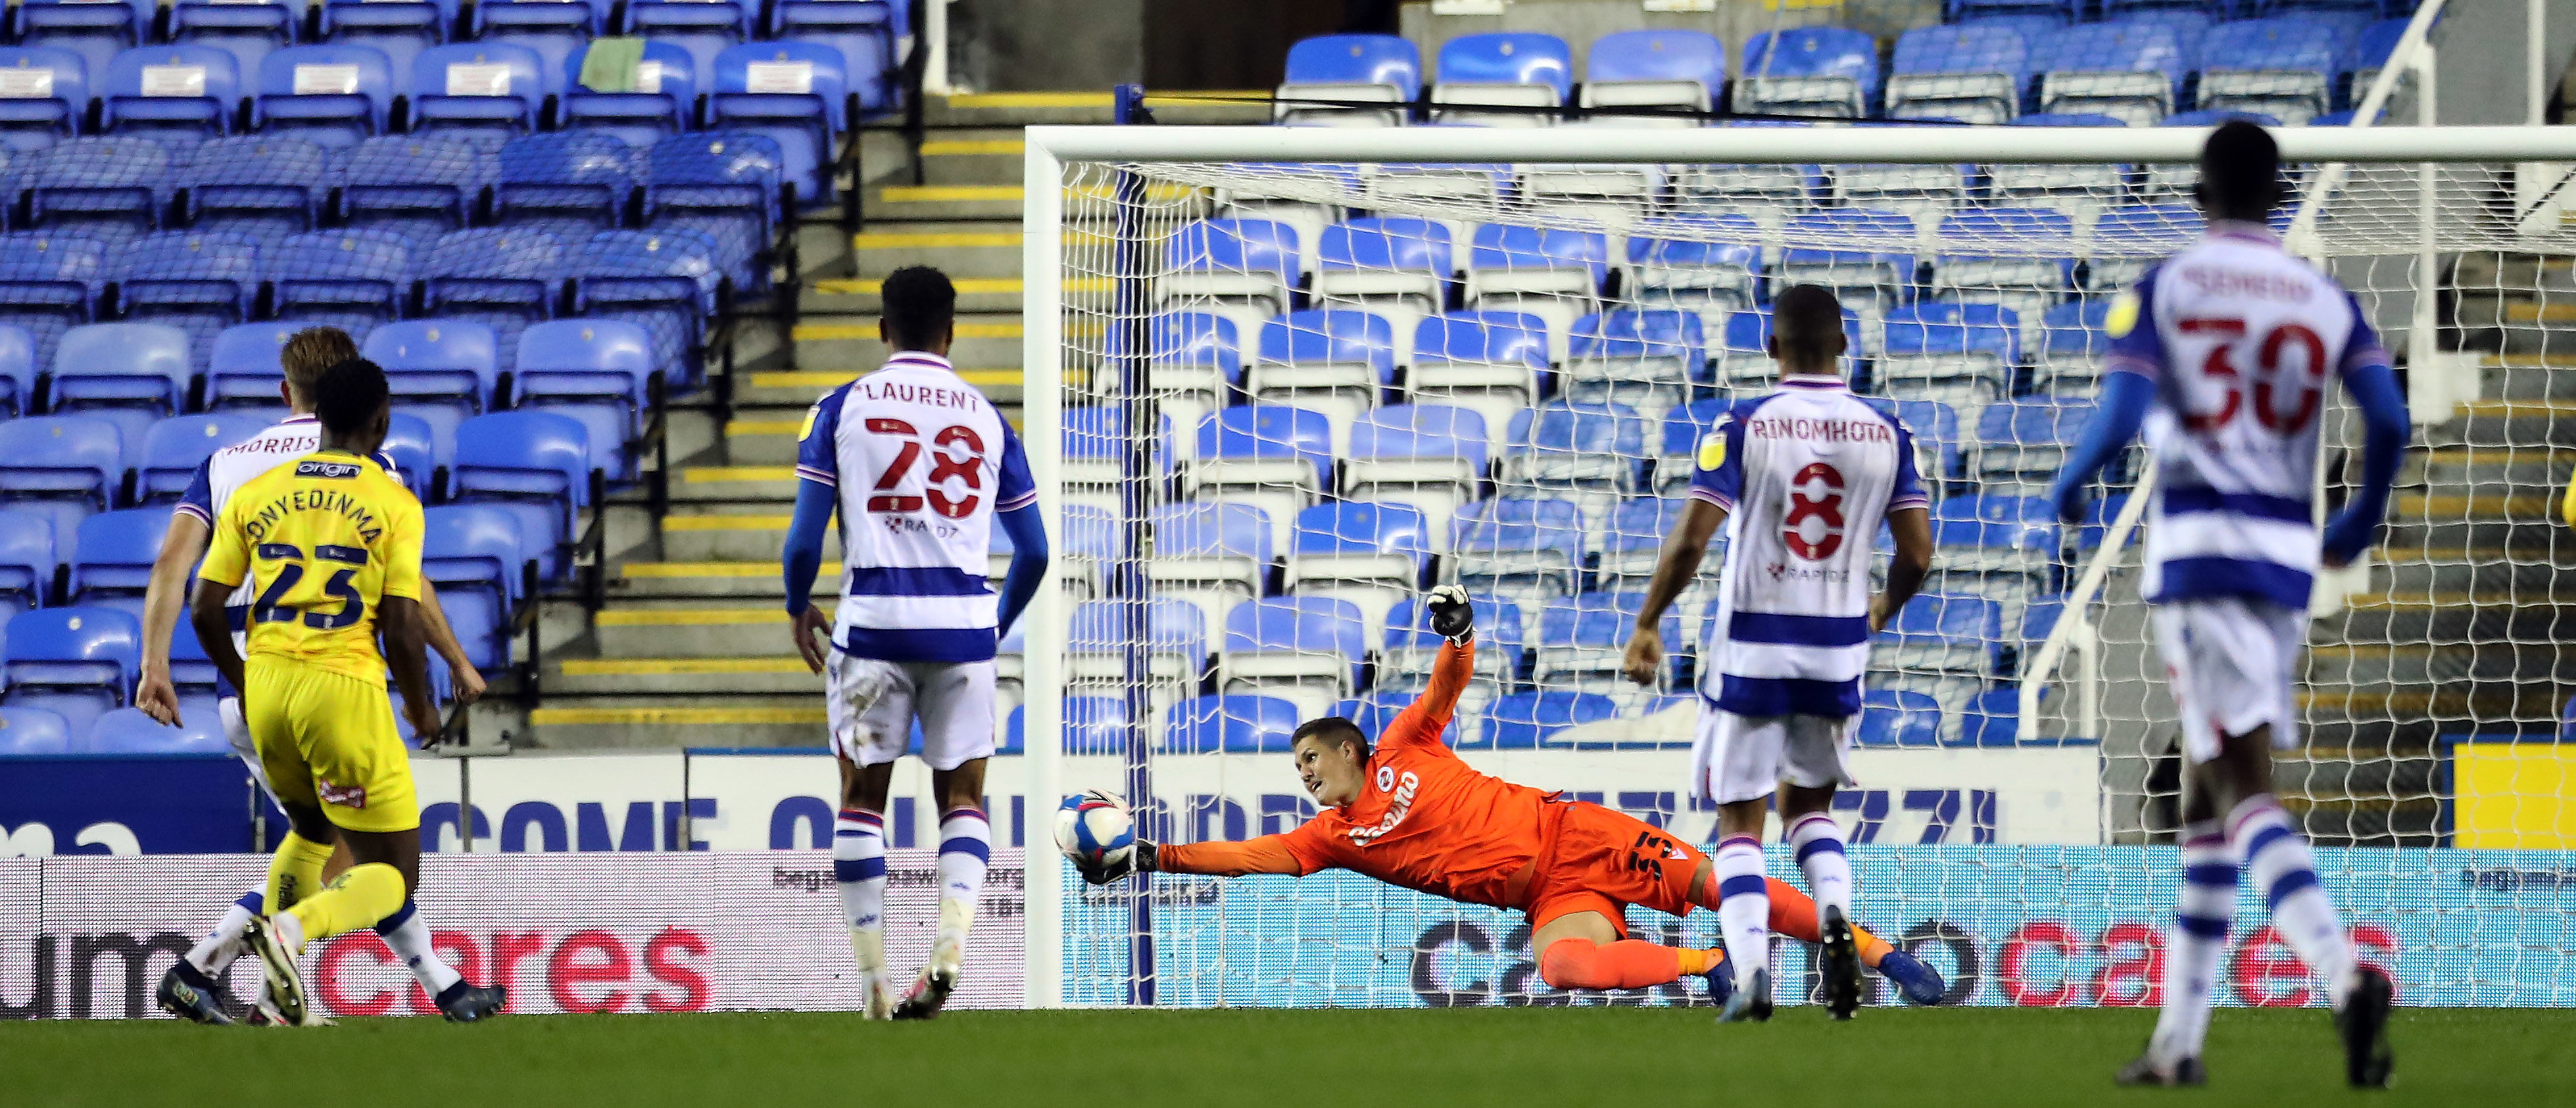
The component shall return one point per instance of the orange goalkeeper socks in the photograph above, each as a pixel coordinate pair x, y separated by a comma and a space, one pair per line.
1626, 964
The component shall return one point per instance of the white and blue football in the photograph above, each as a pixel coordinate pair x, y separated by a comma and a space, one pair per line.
1095, 827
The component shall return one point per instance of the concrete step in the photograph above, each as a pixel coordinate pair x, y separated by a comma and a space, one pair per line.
2330, 774
2448, 618
853, 296
2487, 270
2418, 664
982, 156
752, 535
579, 722
2369, 822
2453, 469
2412, 571
2531, 377
757, 579
735, 484
705, 629
1028, 109
646, 677
958, 250
2507, 423
989, 202
764, 435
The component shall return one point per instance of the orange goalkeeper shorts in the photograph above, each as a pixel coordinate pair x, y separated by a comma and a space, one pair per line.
1602, 861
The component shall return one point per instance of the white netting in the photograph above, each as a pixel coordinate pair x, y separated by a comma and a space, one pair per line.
1295, 395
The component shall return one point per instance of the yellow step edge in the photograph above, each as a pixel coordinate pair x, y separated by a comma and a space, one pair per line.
2449, 556
924, 240
2349, 651
1031, 100
689, 617
828, 379
950, 194
868, 331
646, 667
2494, 454
2520, 408
765, 426
724, 523
2478, 507
935, 148
2532, 361
2453, 601
966, 286
2527, 312
568, 717
663, 571
718, 475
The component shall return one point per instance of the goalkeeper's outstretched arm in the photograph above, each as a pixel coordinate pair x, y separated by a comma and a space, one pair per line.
1267, 854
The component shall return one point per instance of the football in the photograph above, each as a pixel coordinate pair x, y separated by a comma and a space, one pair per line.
1094, 826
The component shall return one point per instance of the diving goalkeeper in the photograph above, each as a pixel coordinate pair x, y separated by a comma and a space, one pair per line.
1413, 815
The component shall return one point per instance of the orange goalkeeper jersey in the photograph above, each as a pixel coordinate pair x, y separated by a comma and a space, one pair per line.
1424, 820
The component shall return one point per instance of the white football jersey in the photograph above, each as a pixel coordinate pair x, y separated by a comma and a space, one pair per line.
231, 468
1807, 474
921, 461
2239, 336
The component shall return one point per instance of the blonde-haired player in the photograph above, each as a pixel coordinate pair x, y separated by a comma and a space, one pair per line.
330, 543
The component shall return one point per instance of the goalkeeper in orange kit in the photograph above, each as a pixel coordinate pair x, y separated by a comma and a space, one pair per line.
1410, 813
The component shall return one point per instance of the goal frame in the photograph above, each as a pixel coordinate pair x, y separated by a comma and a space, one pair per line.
1050, 149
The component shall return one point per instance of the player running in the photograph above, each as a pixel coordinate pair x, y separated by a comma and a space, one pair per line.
188, 989
2222, 352
331, 544
1411, 813
920, 467
1804, 474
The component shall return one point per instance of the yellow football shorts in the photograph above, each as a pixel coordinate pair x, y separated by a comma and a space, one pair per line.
328, 740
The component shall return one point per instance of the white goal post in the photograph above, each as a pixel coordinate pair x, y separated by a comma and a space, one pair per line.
2033, 789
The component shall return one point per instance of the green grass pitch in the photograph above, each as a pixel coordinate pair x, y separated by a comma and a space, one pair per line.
1644, 1057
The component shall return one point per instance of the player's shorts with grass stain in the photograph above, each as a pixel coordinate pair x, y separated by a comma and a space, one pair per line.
1599, 860
328, 740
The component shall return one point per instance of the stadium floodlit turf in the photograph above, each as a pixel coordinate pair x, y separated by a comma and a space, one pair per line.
1645, 1057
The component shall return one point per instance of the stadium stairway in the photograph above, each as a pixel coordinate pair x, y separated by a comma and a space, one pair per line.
2468, 625
691, 648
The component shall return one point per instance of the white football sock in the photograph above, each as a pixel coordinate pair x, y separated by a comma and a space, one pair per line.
965, 847
409, 938
2277, 858
1743, 906
217, 950
858, 863
1818, 842
2197, 943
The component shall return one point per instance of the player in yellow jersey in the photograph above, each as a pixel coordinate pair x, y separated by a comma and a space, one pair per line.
331, 544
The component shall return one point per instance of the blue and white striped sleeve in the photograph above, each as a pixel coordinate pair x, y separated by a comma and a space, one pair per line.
199, 500
2137, 344
1015, 489
818, 451
2362, 347
1717, 470
1907, 491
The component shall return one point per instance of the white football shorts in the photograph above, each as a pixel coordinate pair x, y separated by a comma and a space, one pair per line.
871, 705
1736, 758
2233, 666
237, 733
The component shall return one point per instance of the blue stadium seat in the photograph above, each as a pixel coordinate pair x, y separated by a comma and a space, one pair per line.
1993, 719
129, 374
1412, 646
794, 92
50, 111
1582, 644
243, 370
1432, 456
355, 280
27, 561
1945, 633
129, 731
1959, 354
1526, 548
245, 29
485, 91
555, 29
62, 466
335, 95
663, 281
539, 465
107, 187
2002, 256
94, 31
2370, 52
1820, 71
659, 102
1531, 720
1381, 68
570, 184
112, 556
500, 277
417, 451
2190, 21
1298, 647
1491, 362
1889, 718
724, 184
1646, 359
2052, 12
599, 371
1214, 554
473, 554
17, 366
1396, 266
701, 28
1703, 263
443, 371
1744, 361
1973, 73
1663, 67
178, 94
1874, 275
175, 447
1228, 725
1174, 631
1330, 359
31, 732
1092, 725
77, 661
1193, 359
1682, 428
1577, 449
199, 282
2126, 240
2130, 71
2074, 343
417, 187
398, 29
261, 187
1371, 554
1522, 68
1633, 538
1551, 272
2287, 68
2027, 439
1998, 546
862, 30
1935, 427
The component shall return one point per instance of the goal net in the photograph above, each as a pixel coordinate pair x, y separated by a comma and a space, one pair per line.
1301, 375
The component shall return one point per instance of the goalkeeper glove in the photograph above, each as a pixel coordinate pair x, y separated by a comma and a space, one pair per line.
1140, 859
1452, 617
